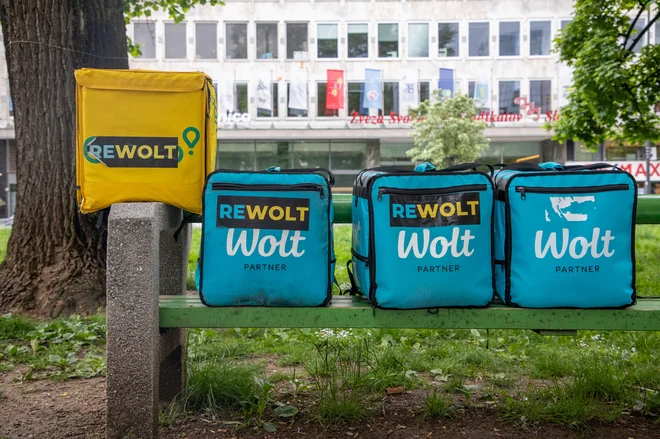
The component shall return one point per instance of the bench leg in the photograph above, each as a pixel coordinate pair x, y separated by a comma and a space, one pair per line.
141, 265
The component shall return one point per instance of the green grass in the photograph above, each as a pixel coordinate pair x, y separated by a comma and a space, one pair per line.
437, 406
4, 239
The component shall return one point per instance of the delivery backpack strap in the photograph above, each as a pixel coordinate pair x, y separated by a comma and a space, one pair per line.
467, 166
187, 219
353, 291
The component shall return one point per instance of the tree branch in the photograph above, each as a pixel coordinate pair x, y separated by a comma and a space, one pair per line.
644, 31
632, 23
651, 75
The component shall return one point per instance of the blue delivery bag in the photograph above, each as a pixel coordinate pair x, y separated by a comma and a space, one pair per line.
564, 237
267, 238
423, 239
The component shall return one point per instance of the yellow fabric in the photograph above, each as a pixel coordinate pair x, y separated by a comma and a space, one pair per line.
144, 136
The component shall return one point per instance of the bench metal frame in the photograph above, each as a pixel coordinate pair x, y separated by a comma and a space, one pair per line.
147, 311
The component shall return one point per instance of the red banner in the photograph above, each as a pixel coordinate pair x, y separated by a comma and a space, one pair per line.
334, 92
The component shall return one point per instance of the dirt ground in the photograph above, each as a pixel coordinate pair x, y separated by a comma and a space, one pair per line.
76, 409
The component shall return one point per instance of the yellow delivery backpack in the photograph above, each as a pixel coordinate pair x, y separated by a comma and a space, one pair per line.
144, 136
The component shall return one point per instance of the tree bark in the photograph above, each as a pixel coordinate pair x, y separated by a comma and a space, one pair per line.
55, 260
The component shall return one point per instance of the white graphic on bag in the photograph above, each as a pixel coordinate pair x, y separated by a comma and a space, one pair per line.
560, 206
437, 247
565, 244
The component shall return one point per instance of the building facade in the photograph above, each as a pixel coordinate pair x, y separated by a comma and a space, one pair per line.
269, 60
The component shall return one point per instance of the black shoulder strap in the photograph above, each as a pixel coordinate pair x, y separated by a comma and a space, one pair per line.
353, 291
187, 219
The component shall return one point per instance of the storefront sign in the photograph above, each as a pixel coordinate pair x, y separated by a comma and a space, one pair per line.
392, 118
234, 117
636, 168
486, 116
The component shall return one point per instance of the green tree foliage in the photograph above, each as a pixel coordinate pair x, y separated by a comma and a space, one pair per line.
446, 132
616, 86
176, 9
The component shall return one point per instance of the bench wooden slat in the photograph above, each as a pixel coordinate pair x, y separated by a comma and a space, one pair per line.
350, 312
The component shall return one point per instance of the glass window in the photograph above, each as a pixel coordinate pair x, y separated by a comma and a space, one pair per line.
390, 98
206, 40
471, 90
273, 154
540, 93
296, 39
509, 91
175, 40
657, 32
358, 40
510, 38
418, 40
236, 40
355, 90
348, 155
267, 41
327, 46
293, 112
448, 39
321, 111
479, 39
424, 91
539, 38
274, 99
144, 35
639, 27
394, 154
11, 106
241, 98
235, 155
564, 23
388, 40
312, 154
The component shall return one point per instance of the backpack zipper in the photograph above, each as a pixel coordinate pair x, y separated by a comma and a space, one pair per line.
523, 190
270, 187
431, 191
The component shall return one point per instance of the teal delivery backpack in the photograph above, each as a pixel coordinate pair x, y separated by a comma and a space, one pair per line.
267, 238
423, 238
564, 236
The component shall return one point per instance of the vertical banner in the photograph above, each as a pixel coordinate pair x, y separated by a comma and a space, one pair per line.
264, 96
298, 90
373, 95
227, 96
334, 90
446, 82
481, 91
409, 94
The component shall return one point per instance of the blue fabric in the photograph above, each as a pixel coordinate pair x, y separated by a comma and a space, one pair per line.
372, 96
571, 238
416, 256
266, 240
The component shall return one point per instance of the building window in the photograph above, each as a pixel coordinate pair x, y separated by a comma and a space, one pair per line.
274, 99
509, 91
448, 39
510, 38
388, 40
327, 46
321, 110
564, 23
424, 91
241, 98
296, 41
206, 40
11, 107
657, 32
539, 38
394, 154
638, 28
358, 40
418, 40
175, 40
347, 159
144, 35
472, 85
267, 45
540, 93
311, 154
479, 39
236, 40
273, 154
293, 112
390, 98
237, 155
355, 95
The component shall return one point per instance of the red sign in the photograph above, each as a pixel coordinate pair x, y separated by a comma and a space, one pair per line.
636, 168
334, 92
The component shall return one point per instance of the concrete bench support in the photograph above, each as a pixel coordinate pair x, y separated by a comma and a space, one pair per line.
144, 364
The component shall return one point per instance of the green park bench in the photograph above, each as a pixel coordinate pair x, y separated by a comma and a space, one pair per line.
148, 311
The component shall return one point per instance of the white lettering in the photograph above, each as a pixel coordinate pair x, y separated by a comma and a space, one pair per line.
442, 242
265, 246
573, 245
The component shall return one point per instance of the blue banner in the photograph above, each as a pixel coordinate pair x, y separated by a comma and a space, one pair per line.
446, 82
373, 95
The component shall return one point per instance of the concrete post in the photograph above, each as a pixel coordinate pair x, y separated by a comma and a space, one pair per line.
143, 261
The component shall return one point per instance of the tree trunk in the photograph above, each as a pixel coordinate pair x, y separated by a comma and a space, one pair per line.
55, 260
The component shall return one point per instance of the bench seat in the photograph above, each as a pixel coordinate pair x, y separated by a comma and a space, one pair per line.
356, 312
